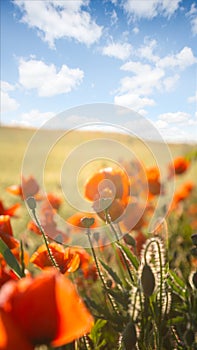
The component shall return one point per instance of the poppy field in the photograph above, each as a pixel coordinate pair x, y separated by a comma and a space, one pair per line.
122, 275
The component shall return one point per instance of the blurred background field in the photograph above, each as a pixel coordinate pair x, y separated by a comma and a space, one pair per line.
14, 144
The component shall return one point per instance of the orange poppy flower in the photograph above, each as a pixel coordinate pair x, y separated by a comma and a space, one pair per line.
182, 194
6, 233
54, 200
45, 310
28, 188
153, 178
134, 218
9, 211
179, 166
76, 220
113, 180
49, 226
6, 275
67, 259
110, 185
11, 337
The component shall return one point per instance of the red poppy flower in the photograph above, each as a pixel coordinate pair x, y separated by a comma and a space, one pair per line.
9, 211
28, 188
6, 275
110, 186
6, 233
182, 194
44, 310
49, 226
11, 336
76, 220
153, 178
179, 166
134, 218
114, 180
67, 259
54, 200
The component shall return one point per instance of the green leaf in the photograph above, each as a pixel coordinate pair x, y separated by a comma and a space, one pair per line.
111, 272
177, 279
10, 259
127, 252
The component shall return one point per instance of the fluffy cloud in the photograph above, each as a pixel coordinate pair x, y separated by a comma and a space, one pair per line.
151, 8
8, 103
117, 50
181, 60
33, 118
35, 74
193, 99
192, 14
134, 101
158, 74
55, 19
177, 125
174, 117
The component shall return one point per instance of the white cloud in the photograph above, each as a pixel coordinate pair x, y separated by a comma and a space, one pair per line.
35, 74
32, 118
144, 79
56, 19
192, 14
174, 117
117, 50
5, 86
135, 30
146, 51
192, 99
133, 101
147, 78
170, 82
114, 17
179, 126
181, 60
8, 103
150, 8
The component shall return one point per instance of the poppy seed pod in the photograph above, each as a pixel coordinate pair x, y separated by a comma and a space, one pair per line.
147, 280
194, 239
31, 203
129, 336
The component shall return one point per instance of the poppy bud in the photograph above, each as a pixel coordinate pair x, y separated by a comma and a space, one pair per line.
129, 336
31, 203
194, 251
194, 239
194, 279
129, 240
87, 222
147, 280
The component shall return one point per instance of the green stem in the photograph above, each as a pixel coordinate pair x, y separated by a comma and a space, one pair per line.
53, 261
99, 272
108, 220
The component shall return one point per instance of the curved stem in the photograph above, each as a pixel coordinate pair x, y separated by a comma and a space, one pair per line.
53, 261
99, 272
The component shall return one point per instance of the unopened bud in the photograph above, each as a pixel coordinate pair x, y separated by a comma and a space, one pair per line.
31, 202
87, 222
129, 336
147, 280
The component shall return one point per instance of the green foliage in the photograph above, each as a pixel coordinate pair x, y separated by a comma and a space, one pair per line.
10, 259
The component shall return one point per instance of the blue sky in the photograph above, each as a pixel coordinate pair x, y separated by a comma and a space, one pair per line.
140, 54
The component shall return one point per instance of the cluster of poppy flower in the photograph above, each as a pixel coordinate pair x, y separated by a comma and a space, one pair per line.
113, 196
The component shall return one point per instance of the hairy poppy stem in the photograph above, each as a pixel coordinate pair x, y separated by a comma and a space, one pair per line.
99, 272
32, 205
109, 221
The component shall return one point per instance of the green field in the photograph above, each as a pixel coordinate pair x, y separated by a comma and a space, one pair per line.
90, 151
